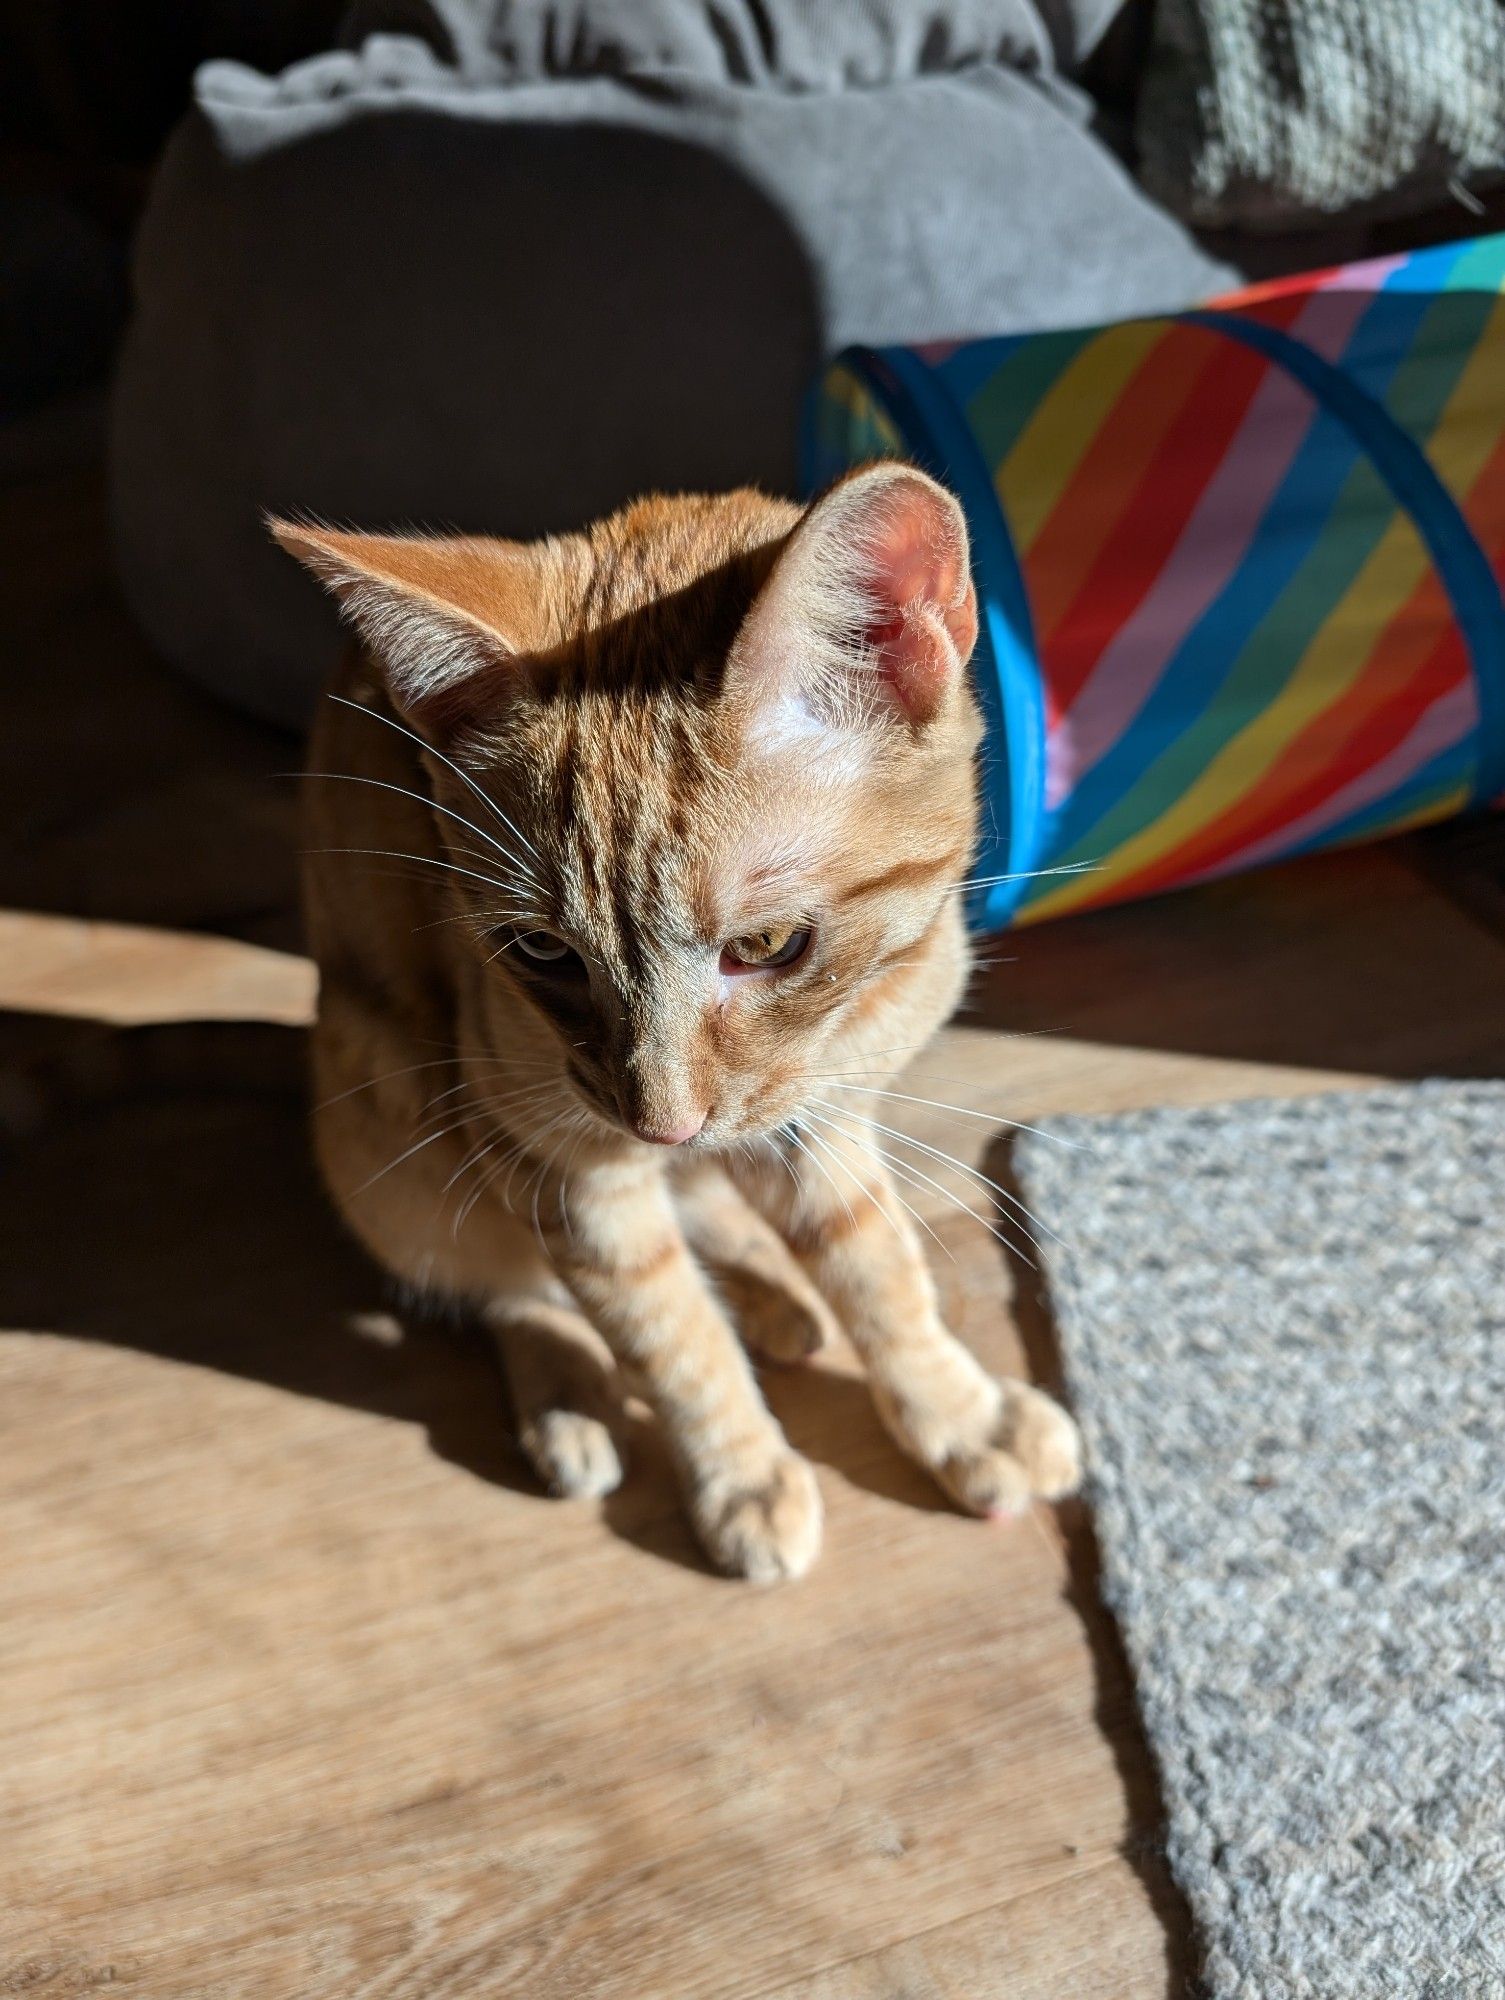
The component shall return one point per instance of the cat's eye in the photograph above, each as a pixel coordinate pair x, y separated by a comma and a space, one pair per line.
768, 950
544, 948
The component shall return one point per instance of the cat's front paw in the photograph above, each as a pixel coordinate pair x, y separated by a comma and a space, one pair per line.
1008, 1445
575, 1455
779, 1321
765, 1528
1044, 1439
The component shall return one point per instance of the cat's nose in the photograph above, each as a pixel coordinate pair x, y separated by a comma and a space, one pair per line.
670, 1135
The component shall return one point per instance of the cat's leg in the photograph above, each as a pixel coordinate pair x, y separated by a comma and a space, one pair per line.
616, 1241
562, 1383
991, 1444
779, 1313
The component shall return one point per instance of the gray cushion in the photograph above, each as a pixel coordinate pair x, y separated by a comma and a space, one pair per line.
387, 292
798, 44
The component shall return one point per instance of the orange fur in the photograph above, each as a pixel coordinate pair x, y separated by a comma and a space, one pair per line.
703, 720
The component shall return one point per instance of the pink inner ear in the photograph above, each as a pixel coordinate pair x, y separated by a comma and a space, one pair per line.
927, 625
913, 658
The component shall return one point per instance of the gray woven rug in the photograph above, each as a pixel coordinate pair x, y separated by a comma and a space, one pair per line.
1284, 1332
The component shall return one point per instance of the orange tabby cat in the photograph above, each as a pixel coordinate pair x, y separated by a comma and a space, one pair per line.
671, 817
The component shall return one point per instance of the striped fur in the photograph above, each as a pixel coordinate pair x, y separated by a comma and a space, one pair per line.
699, 719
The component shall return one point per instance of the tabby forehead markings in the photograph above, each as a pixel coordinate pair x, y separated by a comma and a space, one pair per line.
911, 873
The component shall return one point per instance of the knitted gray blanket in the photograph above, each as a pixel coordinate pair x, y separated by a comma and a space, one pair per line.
1283, 1326
1255, 111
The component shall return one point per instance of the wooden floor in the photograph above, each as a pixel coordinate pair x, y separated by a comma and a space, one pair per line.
305, 1691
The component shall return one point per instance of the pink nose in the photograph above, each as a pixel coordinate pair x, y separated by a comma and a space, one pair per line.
671, 1135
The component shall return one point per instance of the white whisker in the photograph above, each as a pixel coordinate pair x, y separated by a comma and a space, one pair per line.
911, 1211
960, 1111
423, 861
899, 1169
826, 1147
427, 1116
428, 748
974, 1173
791, 1126
922, 1182
957, 1166
434, 1062
893, 1166
489, 1142
522, 885
519, 916
532, 1139
484, 1180
437, 1062
1029, 874
418, 798
418, 1147
518, 1152
916, 1177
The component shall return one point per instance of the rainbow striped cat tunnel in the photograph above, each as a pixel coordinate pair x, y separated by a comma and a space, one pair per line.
1239, 569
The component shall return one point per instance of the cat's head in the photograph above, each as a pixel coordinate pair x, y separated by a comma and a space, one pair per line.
709, 769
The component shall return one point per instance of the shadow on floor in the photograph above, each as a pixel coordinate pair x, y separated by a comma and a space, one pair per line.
164, 1201
1114, 1711
157, 1193
1387, 960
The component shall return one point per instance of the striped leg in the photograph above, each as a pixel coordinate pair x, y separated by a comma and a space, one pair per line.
399, 1190
990, 1444
615, 1240
779, 1313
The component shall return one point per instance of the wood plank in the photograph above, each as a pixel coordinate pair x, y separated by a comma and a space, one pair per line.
1098, 1950
135, 975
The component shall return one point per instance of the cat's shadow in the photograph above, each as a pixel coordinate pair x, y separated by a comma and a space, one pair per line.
165, 1201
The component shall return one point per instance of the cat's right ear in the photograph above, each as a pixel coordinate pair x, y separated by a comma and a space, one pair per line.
869, 616
447, 618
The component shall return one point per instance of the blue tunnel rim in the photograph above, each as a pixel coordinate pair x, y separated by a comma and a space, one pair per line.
938, 439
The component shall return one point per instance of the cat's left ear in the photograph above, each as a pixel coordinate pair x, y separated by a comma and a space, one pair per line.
870, 607
448, 618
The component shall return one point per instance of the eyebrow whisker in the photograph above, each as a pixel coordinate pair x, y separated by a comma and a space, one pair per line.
391, 722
